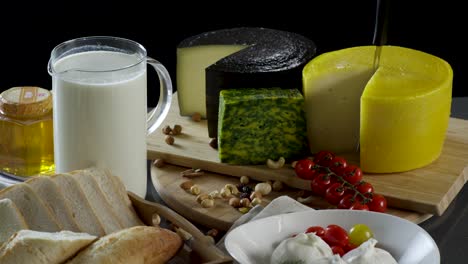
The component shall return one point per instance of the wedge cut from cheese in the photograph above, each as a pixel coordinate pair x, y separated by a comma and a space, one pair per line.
398, 114
251, 57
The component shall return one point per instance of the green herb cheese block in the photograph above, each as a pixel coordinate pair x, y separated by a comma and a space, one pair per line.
259, 124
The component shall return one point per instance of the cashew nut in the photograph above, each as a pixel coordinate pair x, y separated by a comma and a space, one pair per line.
207, 203
308, 199
232, 188
195, 190
276, 164
263, 188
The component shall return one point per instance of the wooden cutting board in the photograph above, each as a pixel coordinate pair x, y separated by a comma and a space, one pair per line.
167, 180
427, 190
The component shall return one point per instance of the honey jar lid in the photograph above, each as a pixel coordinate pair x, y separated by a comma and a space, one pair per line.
25, 102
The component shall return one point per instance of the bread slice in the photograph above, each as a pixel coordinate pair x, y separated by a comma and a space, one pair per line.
11, 220
116, 194
134, 245
53, 197
103, 209
36, 214
34, 247
78, 203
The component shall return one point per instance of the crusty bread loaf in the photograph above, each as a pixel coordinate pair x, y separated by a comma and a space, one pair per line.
35, 247
84, 214
116, 196
53, 197
103, 209
11, 220
134, 245
36, 214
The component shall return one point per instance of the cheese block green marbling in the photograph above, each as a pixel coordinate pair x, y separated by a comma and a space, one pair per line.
259, 124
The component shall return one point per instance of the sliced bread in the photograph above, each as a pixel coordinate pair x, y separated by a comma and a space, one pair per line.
78, 203
134, 245
11, 220
54, 199
116, 194
34, 247
36, 214
103, 209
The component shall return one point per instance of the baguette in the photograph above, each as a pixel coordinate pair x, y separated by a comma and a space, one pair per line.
115, 192
134, 245
34, 247
36, 214
84, 214
53, 197
11, 220
103, 209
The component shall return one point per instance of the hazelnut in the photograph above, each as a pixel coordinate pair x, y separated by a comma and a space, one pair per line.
277, 186
212, 232
234, 202
195, 190
196, 117
244, 180
158, 163
202, 197
169, 140
177, 130
166, 130
244, 202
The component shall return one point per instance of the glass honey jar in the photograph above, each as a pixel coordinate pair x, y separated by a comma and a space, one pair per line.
26, 131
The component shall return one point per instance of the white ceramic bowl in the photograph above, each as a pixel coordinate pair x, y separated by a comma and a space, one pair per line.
254, 242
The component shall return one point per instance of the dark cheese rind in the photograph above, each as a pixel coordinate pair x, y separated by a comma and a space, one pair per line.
274, 58
260, 124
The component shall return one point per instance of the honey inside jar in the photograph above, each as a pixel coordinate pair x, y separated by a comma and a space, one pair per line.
26, 131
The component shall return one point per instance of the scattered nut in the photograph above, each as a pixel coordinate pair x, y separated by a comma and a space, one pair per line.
269, 182
202, 197
231, 188
263, 188
256, 194
183, 234
256, 201
212, 232
225, 193
244, 180
293, 164
169, 140
186, 185
156, 220
195, 190
166, 130
158, 163
214, 143
207, 203
276, 164
244, 210
196, 117
214, 194
308, 199
177, 130
244, 202
277, 186
234, 202
191, 173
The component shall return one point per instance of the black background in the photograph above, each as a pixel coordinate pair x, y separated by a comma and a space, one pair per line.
30, 31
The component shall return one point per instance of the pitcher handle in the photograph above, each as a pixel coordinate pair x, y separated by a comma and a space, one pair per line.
159, 113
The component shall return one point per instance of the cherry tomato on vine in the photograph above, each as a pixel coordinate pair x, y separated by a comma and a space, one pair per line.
378, 203
359, 234
336, 236
364, 187
359, 206
318, 230
352, 174
320, 184
323, 158
338, 164
304, 169
334, 193
346, 201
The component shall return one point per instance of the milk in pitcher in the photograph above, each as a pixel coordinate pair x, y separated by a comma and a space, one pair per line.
99, 116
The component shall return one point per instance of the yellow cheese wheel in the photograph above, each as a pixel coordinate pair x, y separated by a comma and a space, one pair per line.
398, 114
